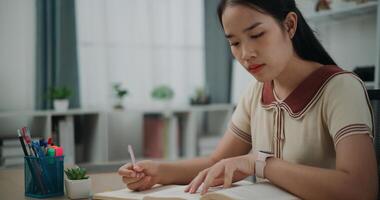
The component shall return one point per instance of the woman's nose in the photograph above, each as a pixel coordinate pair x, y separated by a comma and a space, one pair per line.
248, 52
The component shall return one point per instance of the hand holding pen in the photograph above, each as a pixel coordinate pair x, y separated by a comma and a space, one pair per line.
141, 175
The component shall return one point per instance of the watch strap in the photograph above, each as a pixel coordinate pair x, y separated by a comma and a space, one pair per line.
260, 163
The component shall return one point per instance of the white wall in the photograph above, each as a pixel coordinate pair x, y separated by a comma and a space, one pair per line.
140, 43
17, 54
17, 62
351, 41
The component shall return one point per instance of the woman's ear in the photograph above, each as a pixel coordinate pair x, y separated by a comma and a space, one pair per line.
291, 24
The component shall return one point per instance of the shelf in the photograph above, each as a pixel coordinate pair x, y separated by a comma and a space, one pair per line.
43, 113
370, 85
187, 108
365, 8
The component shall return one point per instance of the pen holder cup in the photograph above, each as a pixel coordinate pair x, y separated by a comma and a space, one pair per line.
43, 177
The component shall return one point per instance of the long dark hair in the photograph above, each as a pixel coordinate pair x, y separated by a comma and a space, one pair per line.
306, 45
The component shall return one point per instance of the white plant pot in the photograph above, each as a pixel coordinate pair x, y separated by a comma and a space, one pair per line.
61, 104
78, 189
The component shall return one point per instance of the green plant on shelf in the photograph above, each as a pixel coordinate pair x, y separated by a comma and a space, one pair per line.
76, 173
120, 94
59, 93
200, 97
162, 92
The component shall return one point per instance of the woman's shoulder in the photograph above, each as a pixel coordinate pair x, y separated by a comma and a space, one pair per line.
345, 81
345, 86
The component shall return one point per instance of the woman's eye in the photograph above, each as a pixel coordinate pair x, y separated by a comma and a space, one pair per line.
234, 43
257, 36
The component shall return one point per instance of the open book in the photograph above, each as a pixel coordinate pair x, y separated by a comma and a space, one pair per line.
239, 190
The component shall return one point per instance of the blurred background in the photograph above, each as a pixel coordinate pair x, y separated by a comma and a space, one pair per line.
157, 74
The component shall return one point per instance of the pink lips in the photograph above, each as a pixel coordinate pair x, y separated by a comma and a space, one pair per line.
255, 68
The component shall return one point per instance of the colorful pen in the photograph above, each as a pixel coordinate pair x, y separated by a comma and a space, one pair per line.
22, 142
132, 155
28, 141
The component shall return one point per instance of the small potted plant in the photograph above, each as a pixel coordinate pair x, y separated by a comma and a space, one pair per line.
60, 97
163, 94
120, 94
200, 97
78, 185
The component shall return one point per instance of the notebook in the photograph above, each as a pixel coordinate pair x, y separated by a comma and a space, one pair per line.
239, 190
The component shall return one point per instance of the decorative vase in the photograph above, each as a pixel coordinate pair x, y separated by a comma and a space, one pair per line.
78, 189
61, 104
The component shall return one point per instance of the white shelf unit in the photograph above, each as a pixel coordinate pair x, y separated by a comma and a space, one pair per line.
370, 7
106, 131
95, 148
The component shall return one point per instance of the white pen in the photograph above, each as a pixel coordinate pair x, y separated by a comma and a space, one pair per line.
132, 155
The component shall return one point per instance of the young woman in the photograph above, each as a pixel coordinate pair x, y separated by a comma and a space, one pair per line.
306, 126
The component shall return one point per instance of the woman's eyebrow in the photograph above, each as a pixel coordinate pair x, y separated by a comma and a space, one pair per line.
251, 27
254, 25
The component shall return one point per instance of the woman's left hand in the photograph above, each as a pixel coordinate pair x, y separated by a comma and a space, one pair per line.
224, 172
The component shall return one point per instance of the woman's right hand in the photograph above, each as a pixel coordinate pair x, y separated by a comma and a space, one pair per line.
142, 176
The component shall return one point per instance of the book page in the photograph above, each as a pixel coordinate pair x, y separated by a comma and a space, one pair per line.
127, 194
118, 195
239, 190
262, 191
177, 192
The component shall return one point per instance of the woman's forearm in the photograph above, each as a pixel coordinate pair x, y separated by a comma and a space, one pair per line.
317, 183
183, 171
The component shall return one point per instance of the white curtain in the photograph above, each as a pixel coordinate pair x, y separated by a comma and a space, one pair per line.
141, 44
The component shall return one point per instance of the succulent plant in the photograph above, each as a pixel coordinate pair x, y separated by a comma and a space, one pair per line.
76, 173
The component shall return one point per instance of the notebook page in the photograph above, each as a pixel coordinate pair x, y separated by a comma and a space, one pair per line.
173, 192
126, 194
177, 192
262, 191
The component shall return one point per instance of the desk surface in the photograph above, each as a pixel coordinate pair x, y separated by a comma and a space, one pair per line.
12, 183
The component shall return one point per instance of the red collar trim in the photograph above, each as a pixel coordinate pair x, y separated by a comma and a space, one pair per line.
301, 97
